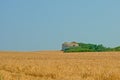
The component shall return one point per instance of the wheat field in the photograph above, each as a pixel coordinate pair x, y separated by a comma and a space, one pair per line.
56, 65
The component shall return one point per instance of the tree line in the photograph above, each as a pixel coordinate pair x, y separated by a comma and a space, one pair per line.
83, 47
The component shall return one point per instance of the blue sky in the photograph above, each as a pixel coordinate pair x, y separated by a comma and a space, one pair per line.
30, 25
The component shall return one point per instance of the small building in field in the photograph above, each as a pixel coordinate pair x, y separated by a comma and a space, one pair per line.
66, 45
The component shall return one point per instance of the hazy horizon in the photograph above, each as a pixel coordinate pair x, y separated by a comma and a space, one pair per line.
27, 25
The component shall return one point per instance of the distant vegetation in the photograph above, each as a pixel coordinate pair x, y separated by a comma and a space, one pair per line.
83, 47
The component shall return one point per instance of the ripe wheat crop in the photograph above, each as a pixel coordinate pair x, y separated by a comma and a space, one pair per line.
56, 65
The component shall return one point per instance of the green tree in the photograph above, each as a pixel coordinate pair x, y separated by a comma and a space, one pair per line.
83, 47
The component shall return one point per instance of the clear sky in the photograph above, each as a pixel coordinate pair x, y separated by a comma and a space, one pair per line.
29, 25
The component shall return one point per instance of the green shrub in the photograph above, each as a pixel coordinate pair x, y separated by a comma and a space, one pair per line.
83, 47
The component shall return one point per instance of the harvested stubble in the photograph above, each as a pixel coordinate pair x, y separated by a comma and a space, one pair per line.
56, 65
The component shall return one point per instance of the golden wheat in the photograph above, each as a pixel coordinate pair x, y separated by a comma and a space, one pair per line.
56, 65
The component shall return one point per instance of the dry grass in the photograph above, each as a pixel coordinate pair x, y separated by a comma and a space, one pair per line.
55, 65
